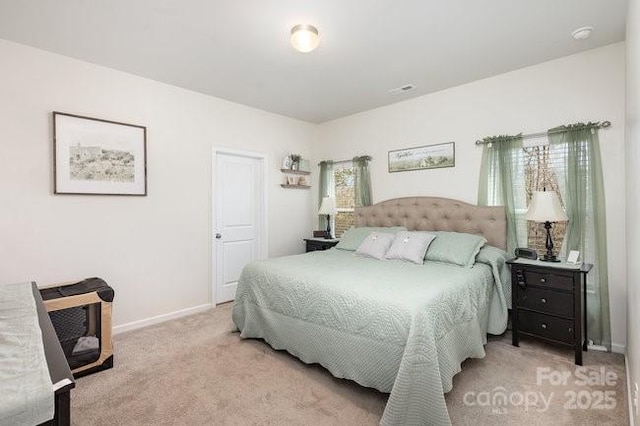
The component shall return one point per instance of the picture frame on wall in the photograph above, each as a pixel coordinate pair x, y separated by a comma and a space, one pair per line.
93, 156
423, 157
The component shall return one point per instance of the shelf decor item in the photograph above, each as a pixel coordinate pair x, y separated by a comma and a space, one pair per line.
545, 207
286, 163
98, 157
295, 161
304, 165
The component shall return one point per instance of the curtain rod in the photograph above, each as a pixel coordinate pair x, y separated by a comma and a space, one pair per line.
598, 125
342, 161
347, 161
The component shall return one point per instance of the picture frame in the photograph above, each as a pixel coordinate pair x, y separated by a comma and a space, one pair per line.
573, 257
286, 163
92, 156
423, 157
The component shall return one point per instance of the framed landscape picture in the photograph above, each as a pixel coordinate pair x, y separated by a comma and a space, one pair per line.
98, 157
423, 157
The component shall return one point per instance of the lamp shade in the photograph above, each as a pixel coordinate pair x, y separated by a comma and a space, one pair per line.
304, 38
545, 207
328, 206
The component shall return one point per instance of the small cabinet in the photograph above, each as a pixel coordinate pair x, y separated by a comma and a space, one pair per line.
548, 302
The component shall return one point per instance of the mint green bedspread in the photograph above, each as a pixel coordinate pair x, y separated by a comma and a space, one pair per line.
394, 326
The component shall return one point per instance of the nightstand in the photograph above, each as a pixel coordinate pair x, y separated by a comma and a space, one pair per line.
315, 244
549, 302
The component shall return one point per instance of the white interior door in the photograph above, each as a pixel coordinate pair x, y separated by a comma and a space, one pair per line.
239, 224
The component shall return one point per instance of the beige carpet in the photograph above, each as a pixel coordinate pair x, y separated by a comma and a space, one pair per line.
196, 371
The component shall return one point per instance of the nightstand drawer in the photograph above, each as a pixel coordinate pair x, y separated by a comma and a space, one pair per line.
548, 301
548, 280
546, 326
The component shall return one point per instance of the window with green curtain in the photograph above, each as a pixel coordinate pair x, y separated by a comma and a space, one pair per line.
362, 181
349, 183
566, 161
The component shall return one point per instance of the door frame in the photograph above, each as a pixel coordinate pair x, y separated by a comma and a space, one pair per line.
264, 217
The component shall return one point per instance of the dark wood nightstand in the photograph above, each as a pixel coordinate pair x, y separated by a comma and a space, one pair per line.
548, 301
315, 244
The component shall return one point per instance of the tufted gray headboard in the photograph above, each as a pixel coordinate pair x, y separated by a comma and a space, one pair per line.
437, 214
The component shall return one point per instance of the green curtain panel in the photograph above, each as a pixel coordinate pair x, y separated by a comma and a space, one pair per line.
362, 184
496, 180
324, 188
584, 203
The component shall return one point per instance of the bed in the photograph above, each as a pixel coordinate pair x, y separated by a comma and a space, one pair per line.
398, 327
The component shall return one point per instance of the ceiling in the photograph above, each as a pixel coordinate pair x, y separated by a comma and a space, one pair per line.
239, 49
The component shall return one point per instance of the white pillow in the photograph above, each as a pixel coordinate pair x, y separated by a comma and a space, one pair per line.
410, 246
375, 245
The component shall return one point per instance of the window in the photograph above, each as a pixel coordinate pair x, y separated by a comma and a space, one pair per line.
344, 191
349, 184
537, 167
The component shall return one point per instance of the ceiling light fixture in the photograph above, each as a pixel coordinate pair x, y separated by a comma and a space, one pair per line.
304, 38
582, 33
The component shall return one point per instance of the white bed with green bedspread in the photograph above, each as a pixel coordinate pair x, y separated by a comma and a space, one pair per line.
395, 326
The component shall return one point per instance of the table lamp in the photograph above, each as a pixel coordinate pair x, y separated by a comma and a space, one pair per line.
328, 207
545, 207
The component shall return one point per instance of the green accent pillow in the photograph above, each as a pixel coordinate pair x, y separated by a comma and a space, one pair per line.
455, 247
353, 237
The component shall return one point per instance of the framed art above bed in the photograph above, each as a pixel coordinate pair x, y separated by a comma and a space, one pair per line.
423, 157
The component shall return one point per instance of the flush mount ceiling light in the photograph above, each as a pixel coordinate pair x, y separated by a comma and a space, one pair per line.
304, 38
582, 33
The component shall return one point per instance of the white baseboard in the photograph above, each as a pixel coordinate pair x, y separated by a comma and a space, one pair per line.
160, 318
629, 392
617, 348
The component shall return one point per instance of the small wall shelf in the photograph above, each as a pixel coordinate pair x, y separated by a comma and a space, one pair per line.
295, 172
292, 182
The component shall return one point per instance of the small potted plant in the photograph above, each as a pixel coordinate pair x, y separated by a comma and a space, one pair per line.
295, 161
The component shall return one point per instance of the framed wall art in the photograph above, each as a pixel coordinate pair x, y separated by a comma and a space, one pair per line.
98, 157
423, 157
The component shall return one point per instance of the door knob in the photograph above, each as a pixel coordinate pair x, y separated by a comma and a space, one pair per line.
218, 236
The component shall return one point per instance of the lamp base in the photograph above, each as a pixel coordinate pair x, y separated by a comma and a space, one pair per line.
328, 236
547, 258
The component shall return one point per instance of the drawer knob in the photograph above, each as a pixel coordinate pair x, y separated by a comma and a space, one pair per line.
543, 300
543, 280
543, 325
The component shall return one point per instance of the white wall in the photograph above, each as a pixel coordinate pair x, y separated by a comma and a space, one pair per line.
633, 197
155, 250
585, 87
